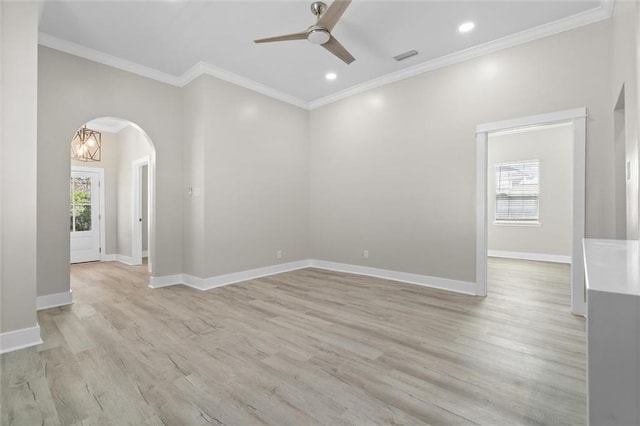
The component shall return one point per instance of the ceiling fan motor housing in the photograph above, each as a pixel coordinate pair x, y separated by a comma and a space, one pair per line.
318, 8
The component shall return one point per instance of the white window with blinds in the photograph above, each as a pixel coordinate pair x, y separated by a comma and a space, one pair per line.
517, 191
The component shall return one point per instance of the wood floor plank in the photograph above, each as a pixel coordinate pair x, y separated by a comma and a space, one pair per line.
301, 348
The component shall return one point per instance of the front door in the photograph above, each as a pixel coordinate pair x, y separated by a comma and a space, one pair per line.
84, 215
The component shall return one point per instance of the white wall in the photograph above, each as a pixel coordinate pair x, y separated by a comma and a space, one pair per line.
108, 162
393, 169
249, 166
72, 91
552, 146
18, 137
132, 146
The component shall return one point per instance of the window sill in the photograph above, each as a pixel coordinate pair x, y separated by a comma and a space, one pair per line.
525, 223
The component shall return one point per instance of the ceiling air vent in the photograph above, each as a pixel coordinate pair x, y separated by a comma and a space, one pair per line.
405, 55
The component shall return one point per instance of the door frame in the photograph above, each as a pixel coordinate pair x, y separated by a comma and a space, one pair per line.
101, 200
576, 116
136, 228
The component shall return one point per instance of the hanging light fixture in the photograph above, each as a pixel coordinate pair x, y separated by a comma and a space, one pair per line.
86, 145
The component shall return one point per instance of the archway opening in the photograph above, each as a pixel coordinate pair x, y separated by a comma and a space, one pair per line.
112, 193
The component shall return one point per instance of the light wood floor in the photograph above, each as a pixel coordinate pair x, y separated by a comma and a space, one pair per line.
300, 348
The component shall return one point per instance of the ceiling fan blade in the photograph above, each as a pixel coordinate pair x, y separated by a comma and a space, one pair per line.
330, 17
337, 49
286, 37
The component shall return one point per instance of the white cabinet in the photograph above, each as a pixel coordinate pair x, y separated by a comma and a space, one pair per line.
613, 331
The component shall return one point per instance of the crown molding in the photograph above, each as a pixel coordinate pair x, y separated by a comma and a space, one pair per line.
607, 5
536, 33
202, 68
56, 43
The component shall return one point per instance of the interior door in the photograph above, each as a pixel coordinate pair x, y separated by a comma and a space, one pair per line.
84, 215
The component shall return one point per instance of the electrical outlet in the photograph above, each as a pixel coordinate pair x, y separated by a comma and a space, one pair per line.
278, 254
365, 254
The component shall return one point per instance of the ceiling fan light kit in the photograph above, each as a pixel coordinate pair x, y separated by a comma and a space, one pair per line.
320, 33
318, 36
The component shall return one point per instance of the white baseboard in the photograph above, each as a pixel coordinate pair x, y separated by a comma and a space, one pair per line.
127, 260
166, 280
54, 300
145, 253
20, 339
541, 257
465, 287
222, 280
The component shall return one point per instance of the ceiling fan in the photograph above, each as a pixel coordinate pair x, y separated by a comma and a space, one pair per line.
320, 33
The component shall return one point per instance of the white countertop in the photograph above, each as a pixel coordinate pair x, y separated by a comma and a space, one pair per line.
612, 266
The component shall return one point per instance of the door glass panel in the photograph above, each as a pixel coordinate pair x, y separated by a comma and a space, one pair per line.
82, 190
80, 204
83, 218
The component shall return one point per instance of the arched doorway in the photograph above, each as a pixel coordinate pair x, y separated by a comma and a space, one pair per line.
112, 193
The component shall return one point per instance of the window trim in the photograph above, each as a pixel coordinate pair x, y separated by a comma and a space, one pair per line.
523, 223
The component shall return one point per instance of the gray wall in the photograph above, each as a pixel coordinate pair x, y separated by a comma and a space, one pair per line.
635, 73
553, 146
249, 174
18, 109
132, 146
624, 72
193, 256
108, 162
393, 169
72, 91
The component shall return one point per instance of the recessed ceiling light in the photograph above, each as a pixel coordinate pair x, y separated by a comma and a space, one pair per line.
466, 27
331, 76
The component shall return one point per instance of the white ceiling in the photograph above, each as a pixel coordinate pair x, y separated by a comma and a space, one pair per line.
177, 40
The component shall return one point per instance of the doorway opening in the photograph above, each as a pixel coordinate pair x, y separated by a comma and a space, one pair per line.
575, 118
622, 169
140, 211
125, 209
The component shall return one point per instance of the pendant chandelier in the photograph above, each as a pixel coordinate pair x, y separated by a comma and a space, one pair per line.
85, 145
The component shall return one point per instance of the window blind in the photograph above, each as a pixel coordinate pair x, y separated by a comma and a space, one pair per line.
517, 190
